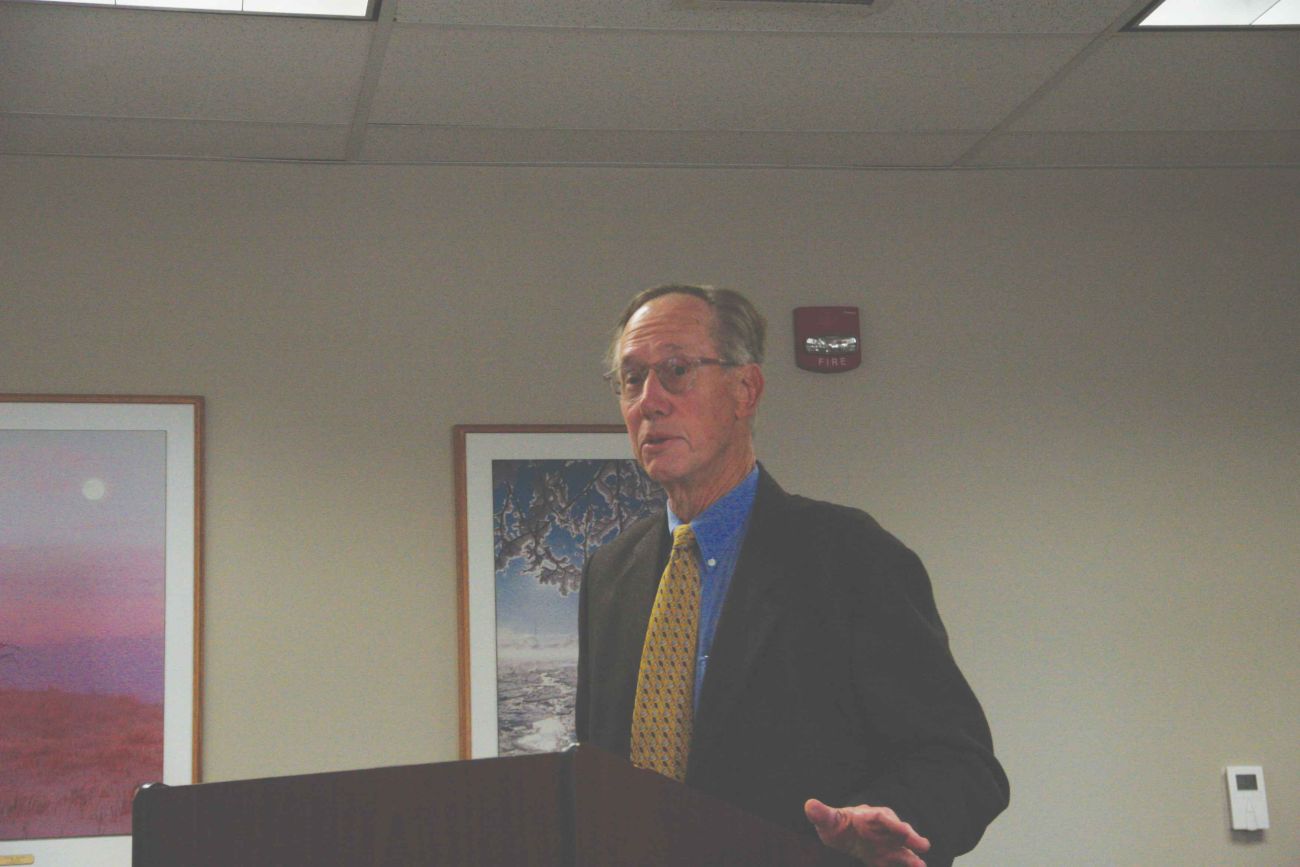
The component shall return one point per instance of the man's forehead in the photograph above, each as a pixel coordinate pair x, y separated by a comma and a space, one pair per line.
668, 324
652, 346
642, 352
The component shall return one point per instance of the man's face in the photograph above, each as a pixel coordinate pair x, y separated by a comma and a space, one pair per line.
697, 443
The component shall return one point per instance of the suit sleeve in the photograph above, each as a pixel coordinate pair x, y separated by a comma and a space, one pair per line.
942, 775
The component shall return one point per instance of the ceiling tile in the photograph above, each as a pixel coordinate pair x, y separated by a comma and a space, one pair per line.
1178, 81
673, 81
885, 16
87, 136
661, 82
81, 60
392, 143
1140, 149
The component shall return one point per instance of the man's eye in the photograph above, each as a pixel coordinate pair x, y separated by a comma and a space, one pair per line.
633, 377
677, 368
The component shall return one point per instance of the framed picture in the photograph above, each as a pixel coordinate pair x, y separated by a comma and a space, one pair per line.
100, 576
532, 503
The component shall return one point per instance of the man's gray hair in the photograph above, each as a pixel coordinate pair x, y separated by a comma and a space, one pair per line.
739, 330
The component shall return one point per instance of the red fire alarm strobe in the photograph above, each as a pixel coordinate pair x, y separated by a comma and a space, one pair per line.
827, 339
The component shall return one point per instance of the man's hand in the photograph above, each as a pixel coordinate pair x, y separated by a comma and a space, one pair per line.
873, 835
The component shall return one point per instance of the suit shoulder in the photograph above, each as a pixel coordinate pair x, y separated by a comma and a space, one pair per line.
859, 559
831, 526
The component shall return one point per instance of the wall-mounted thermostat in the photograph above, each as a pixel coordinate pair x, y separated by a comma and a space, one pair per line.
1246, 797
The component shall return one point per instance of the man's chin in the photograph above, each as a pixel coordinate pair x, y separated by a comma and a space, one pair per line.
660, 468
662, 454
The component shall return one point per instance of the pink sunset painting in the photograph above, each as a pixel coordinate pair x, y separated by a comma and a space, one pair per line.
82, 579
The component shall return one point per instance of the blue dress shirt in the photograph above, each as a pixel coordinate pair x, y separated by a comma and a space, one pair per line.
719, 531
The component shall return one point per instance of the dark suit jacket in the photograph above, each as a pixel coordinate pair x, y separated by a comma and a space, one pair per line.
829, 676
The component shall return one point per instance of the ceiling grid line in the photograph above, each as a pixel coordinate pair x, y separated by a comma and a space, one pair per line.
386, 17
1049, 85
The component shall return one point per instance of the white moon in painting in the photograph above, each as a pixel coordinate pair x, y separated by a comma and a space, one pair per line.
94, 489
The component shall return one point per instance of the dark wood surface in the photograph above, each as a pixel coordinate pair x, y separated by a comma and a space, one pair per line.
628, 817
584, 808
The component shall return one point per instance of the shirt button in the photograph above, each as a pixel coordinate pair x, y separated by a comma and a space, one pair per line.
712, 562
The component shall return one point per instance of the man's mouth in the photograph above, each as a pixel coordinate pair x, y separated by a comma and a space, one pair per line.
655, 440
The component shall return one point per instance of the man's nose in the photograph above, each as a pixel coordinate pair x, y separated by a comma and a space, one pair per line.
654, 397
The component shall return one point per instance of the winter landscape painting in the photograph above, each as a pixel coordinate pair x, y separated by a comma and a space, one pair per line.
547, 500
84, 634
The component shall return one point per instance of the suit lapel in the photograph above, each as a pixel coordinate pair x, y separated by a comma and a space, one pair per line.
749, 614
623, 619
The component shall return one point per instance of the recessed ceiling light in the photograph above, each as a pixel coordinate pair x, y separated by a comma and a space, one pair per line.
311, 8
1189, 14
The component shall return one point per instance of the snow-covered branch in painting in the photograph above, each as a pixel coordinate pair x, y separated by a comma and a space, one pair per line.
549, 515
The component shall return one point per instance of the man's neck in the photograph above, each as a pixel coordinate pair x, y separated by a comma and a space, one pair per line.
688, 503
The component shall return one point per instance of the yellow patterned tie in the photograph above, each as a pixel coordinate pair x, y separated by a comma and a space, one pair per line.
665, 684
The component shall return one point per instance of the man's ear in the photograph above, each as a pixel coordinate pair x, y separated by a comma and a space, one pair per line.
749, 390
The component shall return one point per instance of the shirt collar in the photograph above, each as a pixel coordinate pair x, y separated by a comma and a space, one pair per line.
721, 526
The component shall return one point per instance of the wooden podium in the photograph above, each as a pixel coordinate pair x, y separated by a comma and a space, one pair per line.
583, 807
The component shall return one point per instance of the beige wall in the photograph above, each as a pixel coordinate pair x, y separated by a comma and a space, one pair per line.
1079, 406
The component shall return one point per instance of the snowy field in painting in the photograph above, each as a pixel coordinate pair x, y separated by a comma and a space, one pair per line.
537, 678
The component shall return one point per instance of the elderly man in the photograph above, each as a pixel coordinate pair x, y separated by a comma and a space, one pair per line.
778, 652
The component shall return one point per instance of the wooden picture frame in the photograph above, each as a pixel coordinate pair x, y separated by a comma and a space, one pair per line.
102, 552
573, 488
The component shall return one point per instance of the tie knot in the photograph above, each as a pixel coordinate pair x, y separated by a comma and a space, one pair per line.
683, 536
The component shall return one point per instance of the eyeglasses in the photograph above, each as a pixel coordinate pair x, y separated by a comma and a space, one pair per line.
676, 375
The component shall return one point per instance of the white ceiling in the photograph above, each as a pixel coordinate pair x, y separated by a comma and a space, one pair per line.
936, 83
